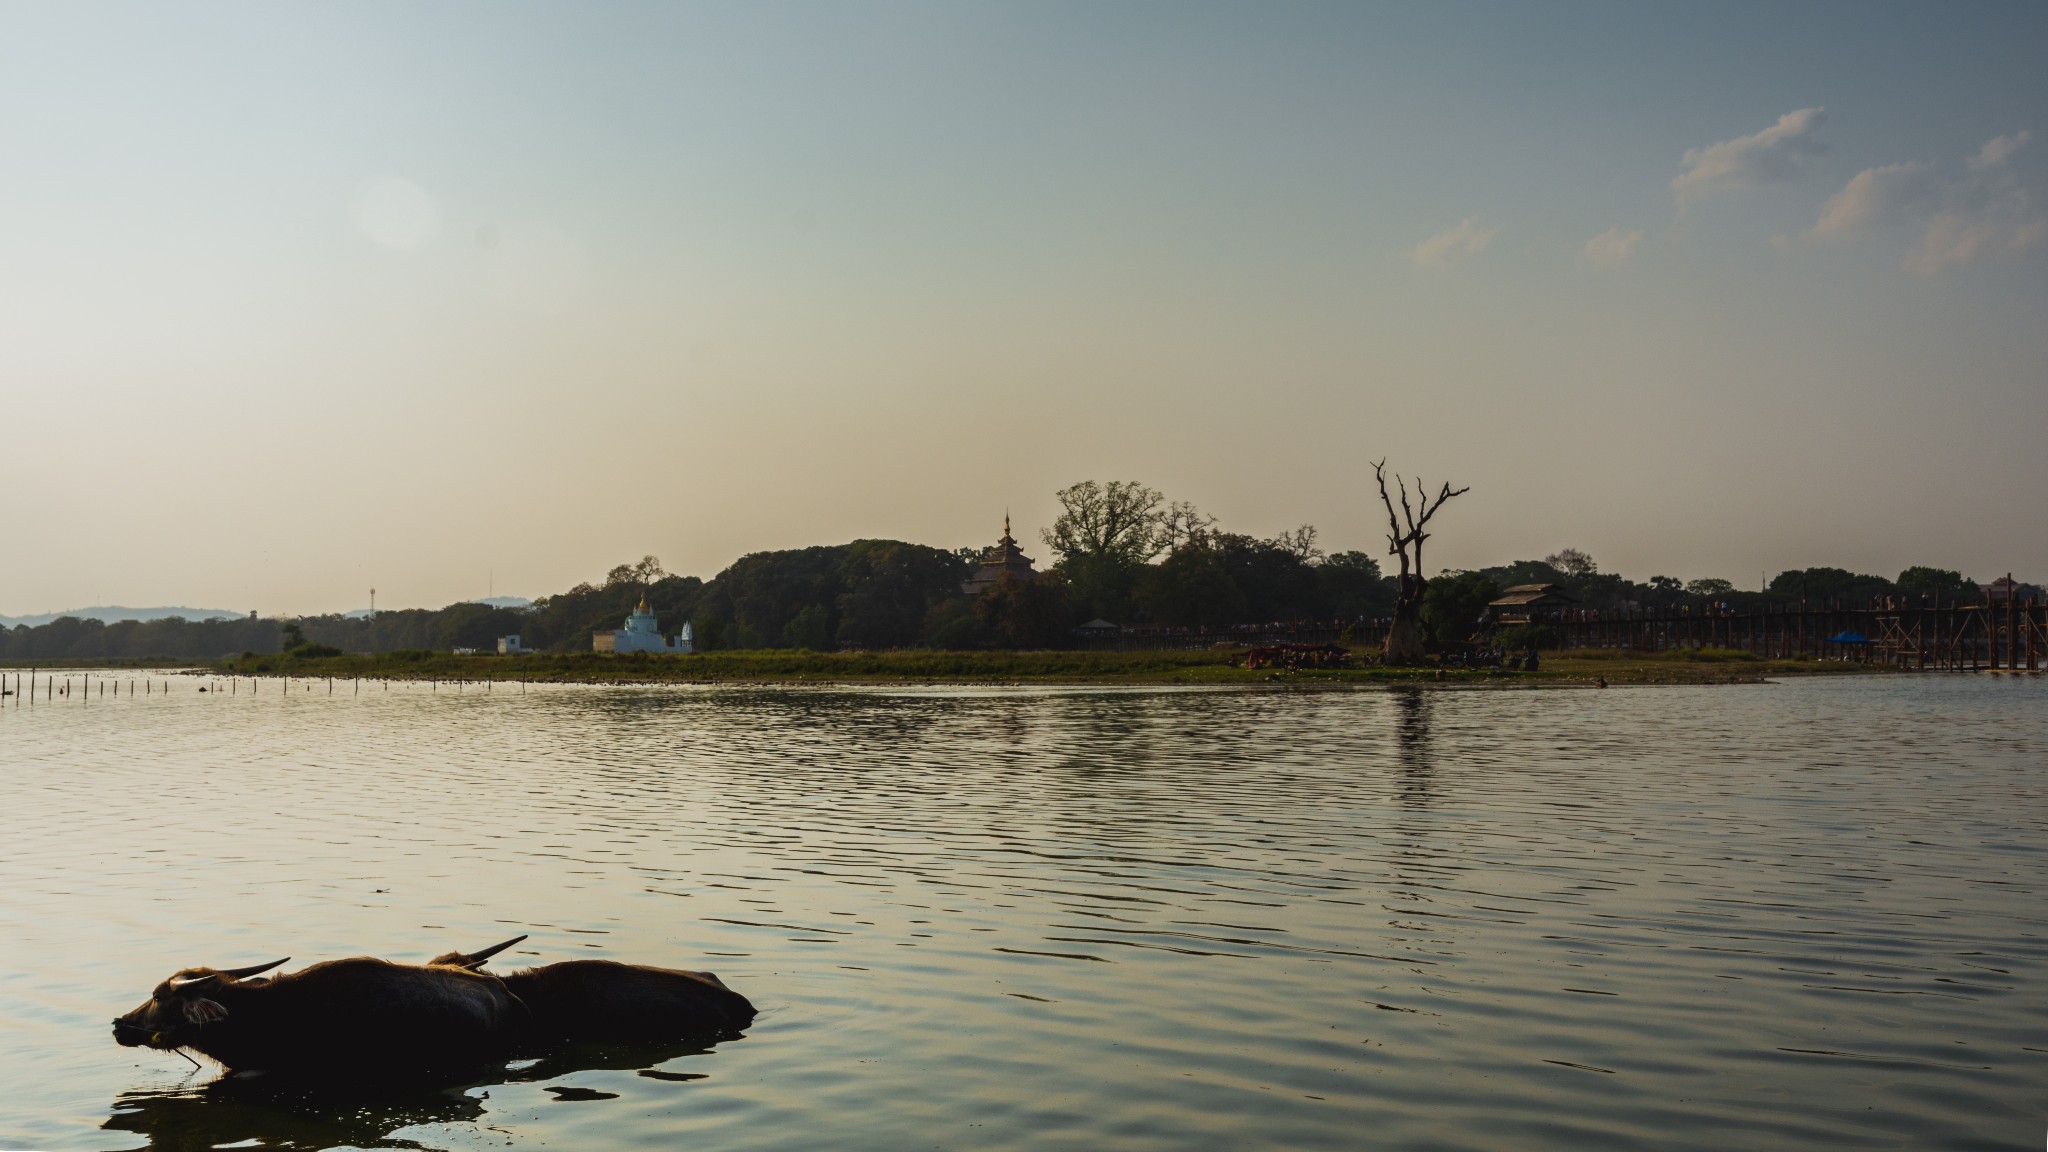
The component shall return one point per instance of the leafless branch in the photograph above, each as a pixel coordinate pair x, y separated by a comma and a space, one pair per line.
1405, 541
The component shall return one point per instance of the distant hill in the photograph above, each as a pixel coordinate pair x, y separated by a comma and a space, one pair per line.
114, 614
488, 602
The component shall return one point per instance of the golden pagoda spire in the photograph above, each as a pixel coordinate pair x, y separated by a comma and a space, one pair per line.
1006, 523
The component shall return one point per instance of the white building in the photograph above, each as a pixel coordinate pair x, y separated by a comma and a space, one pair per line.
641, 634
510, 646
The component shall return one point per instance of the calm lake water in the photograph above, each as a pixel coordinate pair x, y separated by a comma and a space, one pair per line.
1791, 916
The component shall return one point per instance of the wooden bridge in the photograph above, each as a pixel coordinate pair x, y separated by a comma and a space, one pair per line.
2001, 636
2008, 636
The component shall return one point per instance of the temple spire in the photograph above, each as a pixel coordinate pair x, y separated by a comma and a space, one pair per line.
1004, 558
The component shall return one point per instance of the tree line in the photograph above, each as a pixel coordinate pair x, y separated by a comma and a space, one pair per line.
1118, 551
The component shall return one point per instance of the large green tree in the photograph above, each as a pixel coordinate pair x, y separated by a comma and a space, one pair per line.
890, 589
1351, 586
1021, 613
866, 594
1940, 585
1103, 537
1829, 585
1194, 586
1120, 520
1452, 604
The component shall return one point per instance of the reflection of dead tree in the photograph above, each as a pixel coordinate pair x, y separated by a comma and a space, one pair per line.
1404, 539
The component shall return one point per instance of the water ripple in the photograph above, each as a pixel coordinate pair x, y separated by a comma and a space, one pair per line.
1789, 916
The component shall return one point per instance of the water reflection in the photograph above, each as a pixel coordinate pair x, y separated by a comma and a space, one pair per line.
1777, 917
272, 1112
1415, 749
253, 1114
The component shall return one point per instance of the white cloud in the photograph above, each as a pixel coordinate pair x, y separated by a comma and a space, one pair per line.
1962, 217
1951, 238
1611, 248
2003, 223
1774, 155
1872, 196
1987, 213
1998, 150
1467, 239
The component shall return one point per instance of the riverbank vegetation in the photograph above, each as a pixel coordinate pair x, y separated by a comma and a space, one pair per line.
1119, 552
1218, 666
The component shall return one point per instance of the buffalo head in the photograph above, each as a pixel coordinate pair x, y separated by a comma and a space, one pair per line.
180, 1006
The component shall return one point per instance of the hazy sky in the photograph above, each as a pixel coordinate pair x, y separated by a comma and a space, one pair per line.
299, 299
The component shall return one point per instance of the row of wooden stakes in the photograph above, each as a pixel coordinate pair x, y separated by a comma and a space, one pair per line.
52, 690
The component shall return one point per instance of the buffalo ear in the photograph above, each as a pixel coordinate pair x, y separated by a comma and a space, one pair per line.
204, 1012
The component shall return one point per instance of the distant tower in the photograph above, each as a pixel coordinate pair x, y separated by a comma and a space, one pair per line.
373, 603
1004, 557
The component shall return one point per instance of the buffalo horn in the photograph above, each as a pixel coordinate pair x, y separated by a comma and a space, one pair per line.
476, 959
253, 969
237, 973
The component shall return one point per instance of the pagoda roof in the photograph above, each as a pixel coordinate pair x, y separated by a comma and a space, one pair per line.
1531, 595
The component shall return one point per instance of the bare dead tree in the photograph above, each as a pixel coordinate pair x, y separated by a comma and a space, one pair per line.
1405, 534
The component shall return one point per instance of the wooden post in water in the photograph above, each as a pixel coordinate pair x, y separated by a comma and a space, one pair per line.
2012, 636
2033, 639
1941, 653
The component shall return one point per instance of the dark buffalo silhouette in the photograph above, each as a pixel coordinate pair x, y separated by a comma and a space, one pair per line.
355, 1017
607, 1000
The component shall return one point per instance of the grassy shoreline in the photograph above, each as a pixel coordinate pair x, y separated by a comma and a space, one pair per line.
781, 666
1582, 668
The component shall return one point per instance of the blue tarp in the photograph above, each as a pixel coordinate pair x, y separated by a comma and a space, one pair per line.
1848, 638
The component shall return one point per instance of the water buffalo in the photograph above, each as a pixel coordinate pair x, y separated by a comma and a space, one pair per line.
607, 1000
358, 1017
